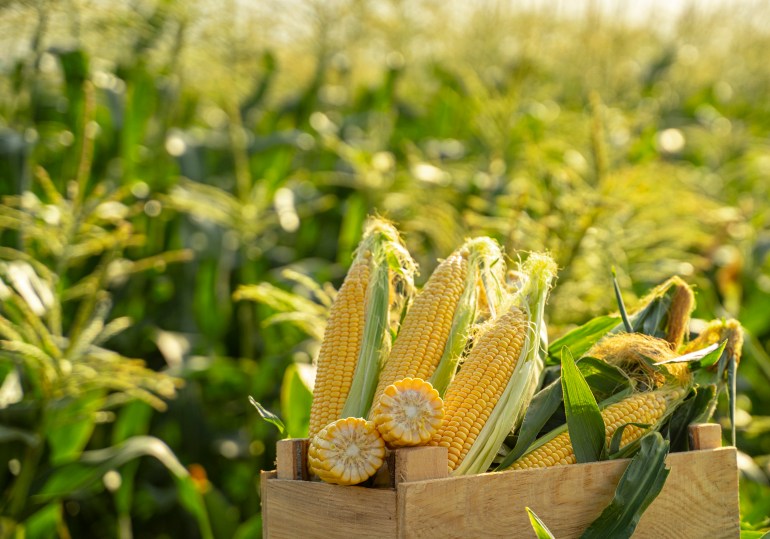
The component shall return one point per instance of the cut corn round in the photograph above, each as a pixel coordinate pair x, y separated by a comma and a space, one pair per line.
346, 452
648, 408
408, 413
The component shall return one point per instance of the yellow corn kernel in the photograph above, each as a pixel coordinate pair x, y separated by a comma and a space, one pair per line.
475, 390
340, 348
408, 413
646, 407
426, 326
346, 452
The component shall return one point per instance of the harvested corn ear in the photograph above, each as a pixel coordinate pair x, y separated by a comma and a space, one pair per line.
435, 330
357, 336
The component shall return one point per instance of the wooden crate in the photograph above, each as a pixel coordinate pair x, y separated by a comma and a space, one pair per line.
699, 499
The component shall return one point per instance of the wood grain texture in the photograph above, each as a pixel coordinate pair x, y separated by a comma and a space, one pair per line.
291, 459
705, 436
699, 500
306, 509
417, 464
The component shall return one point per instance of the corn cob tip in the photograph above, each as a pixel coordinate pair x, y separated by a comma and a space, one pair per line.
346, 452
408, 413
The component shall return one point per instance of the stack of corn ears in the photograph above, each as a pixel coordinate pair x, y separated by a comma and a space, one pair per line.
465, 304
470, 355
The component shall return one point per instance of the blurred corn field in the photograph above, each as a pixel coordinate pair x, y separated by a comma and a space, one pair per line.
178, 177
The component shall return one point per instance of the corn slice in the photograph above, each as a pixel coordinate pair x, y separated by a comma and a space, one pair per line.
346, 452
408, 413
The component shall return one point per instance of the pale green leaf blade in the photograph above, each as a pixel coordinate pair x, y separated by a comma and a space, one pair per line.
584, 420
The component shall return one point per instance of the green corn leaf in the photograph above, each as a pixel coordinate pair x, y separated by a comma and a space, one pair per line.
693, 410
541, 530
580, 339
638, 487
621, 305
296, 398
604, 379
87, 473
268, 416
705, 357
584, 420
617, 437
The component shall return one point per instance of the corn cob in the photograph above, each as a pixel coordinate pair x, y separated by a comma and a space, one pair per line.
424, 332
644, 408
408, 413
340, 348
346, 452
357, 338
480, 383
435, 330
497, 380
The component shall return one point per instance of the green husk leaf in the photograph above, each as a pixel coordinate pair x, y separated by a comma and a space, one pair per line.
705, 357
638, 487
621, 305
617, 437
541, 530
581, 339
543, 405
268, 416
484, 267
694, 409
373, 346
604, 379
584, 420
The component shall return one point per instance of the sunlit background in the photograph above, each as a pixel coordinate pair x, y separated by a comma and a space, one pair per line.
178, 175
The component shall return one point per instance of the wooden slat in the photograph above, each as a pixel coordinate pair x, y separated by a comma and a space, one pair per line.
304, 509
291, 459
417, 464
699, 499
705, 436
